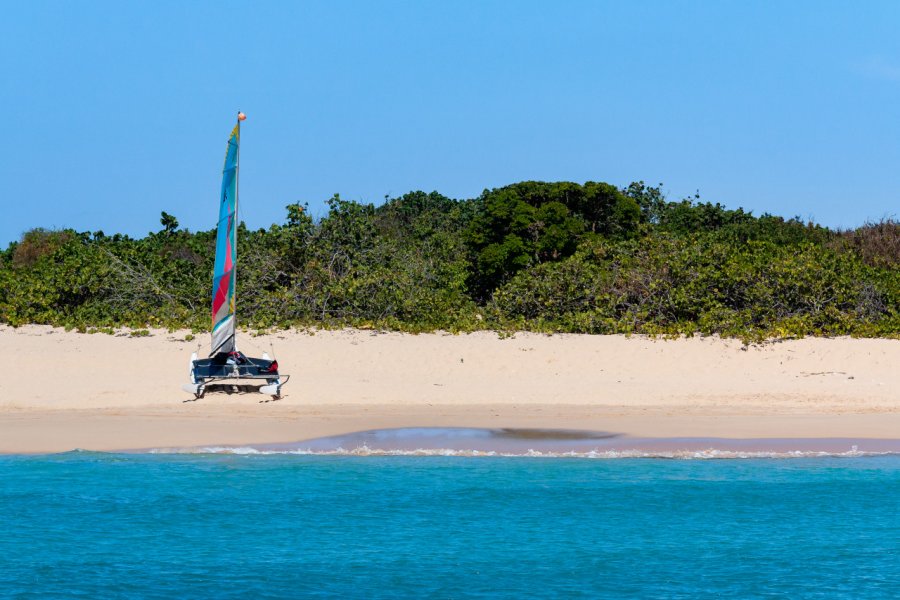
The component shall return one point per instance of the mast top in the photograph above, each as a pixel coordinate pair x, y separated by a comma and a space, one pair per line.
241, 116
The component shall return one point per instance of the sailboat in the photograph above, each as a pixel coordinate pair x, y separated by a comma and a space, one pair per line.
225, 361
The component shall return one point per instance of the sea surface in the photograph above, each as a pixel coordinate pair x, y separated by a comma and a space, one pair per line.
94, 525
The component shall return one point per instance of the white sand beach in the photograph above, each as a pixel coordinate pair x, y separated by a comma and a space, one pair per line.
64, 390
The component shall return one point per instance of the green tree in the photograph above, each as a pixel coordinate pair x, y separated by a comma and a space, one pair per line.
528, 223
169, 223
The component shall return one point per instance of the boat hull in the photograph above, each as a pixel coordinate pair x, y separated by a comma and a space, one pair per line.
235, 367
247, 368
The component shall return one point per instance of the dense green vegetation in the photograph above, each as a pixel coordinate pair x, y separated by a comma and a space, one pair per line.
533, 255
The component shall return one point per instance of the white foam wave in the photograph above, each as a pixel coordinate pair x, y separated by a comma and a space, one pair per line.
706, 454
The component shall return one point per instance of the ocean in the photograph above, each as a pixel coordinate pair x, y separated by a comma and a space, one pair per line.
93, 525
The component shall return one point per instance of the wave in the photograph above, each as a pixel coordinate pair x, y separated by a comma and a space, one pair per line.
551, 443
705, 454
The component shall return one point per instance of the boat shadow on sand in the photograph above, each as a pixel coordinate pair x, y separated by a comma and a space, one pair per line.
232, 389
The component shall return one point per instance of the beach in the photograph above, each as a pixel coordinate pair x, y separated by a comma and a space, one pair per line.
68, 390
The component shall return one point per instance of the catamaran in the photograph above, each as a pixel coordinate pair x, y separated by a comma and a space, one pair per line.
226, 362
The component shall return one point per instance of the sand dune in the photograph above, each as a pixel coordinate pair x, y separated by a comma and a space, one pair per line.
64, 390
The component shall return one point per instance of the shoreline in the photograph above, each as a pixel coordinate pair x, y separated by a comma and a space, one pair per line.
65, 390
550, 443
110, 430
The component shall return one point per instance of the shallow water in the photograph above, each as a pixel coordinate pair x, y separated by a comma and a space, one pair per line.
235, 526
550, 443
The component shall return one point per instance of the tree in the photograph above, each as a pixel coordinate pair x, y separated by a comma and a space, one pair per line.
532, 222
651, 200
169, 222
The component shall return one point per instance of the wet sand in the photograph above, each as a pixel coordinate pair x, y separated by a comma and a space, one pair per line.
64, 390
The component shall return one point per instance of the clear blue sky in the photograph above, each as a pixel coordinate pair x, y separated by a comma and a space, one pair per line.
115, 111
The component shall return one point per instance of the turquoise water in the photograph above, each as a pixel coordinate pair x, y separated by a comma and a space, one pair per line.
224, 526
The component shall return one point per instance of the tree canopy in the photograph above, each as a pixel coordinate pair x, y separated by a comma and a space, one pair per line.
543, 256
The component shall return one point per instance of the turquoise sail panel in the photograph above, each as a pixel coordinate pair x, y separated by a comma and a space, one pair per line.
223, 318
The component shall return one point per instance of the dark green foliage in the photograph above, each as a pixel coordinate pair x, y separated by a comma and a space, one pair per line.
168, 222
688, 217
533, 222
540, 256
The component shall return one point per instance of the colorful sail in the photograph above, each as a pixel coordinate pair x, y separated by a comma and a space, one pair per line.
223, 319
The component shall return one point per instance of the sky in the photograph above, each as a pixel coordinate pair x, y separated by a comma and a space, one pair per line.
116, 111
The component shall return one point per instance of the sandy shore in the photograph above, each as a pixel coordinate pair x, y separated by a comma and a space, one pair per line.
65, 390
